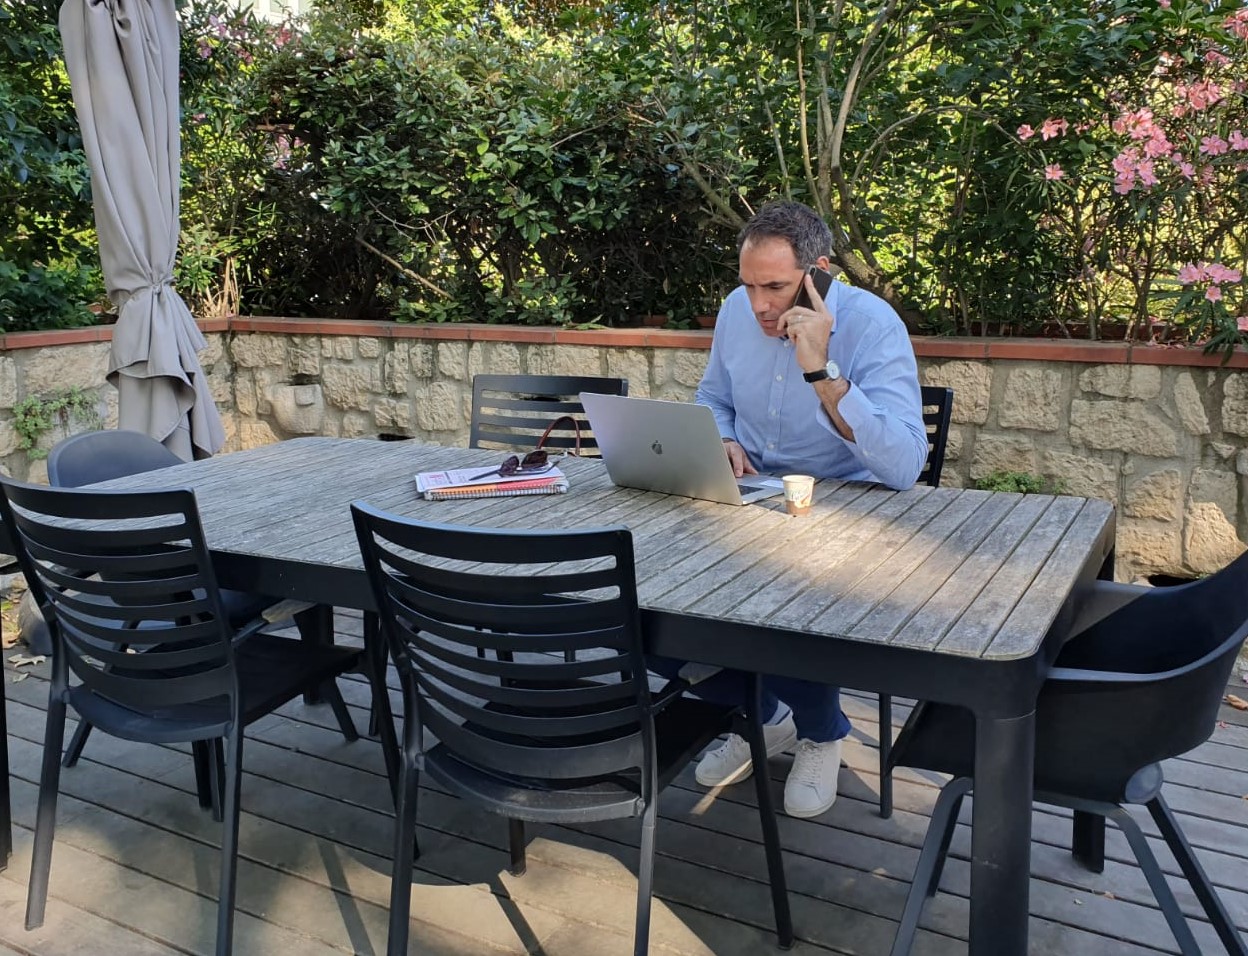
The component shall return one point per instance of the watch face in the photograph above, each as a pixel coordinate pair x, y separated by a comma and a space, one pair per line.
834, 370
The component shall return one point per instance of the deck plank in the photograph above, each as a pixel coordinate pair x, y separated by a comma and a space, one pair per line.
316, 833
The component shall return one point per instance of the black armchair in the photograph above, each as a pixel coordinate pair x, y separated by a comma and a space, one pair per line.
111, 569
94, 456
515, 410
937, 412
1138, 686
528, 734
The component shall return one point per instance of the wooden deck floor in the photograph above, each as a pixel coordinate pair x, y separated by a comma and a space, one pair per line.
134, 869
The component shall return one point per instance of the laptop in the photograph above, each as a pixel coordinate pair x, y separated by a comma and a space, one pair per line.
672, 447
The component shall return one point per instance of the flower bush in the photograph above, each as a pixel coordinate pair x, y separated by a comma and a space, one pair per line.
1153, 193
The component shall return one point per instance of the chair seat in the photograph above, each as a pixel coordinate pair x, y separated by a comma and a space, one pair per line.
271, 671
682, 730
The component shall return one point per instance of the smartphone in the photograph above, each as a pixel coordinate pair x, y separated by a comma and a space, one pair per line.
823, 282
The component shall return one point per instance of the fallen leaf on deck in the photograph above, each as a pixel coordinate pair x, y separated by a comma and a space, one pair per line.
20, 660
1078, 902
1237, 702
1108, 895
1221, 725
19, 677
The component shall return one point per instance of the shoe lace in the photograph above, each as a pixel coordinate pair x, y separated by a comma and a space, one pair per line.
808, 761
734, 746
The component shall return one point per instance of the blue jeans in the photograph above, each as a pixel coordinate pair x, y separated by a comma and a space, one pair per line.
816, 707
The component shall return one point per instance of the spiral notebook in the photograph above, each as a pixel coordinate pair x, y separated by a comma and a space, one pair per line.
471, 483
501, 489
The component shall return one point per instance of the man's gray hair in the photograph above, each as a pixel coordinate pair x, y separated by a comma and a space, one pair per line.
797, 224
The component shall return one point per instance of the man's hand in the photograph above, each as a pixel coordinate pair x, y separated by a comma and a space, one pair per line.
739, 460
809, 329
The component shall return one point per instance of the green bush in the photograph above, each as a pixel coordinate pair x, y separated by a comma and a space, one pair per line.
1022, 482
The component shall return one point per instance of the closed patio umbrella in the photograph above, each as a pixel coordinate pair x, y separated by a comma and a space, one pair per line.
122, 58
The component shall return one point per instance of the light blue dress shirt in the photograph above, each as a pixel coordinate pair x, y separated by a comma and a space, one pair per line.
754, 386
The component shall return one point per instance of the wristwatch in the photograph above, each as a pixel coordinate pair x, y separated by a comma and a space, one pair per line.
830, 371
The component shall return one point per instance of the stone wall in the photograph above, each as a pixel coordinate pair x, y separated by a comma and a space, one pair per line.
1161, 432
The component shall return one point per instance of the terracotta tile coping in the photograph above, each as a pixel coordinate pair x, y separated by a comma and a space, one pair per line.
933, 347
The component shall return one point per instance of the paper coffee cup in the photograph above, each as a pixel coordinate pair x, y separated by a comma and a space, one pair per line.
798, 490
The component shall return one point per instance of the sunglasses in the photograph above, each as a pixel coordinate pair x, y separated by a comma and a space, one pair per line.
534, 463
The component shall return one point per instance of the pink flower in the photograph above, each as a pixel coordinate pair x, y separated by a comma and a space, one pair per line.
1025, 132
1203, 94
1213, 145
1213, 293
1239, 142
1157, 144
1053, 127
1190, 273
203, 48
1145, 171
1237, 23
1164, 4
1216, 59
1053, 171
1216, 272
1124, 182
1187, 170
1241, 323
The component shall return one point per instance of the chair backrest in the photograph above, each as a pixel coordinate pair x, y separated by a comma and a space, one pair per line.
937, 409
102, 455
1143, 684
113, 569
524, 598
510, 411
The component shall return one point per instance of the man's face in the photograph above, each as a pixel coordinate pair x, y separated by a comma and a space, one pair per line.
771, 276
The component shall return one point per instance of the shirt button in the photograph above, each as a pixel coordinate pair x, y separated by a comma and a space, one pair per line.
779, 378
772, 413
771, 444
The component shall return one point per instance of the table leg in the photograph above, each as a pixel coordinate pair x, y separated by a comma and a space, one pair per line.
316, 626
1001, 835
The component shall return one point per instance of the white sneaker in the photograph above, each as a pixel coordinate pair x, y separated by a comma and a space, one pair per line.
811, 787
731, 762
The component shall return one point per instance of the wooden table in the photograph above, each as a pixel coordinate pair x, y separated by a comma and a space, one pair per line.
939, 593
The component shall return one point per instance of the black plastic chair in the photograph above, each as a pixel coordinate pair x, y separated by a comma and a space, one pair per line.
534, 737
510, 411
107, 566
1140, 685
89, 457
6, 809
937, 410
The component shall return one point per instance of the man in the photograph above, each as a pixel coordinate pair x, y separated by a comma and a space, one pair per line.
831, 391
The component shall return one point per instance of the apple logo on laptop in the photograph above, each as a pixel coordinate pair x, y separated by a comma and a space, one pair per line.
656, 447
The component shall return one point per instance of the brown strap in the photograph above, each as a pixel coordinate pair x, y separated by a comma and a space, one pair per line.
576, 427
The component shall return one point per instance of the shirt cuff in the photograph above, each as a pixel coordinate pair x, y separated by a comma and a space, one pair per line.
854, 407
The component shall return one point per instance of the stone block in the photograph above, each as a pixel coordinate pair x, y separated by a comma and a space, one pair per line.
396, 368
438, 408
1157, 495
1033, 398
348, 386
972, 387
304, 355
338, 347
1122, 381
245, 394
258, 349
421, 356
1209, 539
1188, 405
494, 358
1235, 403
1142, 548
299, 409
565, 360
54, 370
1217, 487
111, 403
685, 366
453, 360
254, 435
8, 382
355, 425
368, 347
8, 438
1002, 453
1123, 426
1082, 476
393, 416
221, 387
631, 364
214, 352
1241, 462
